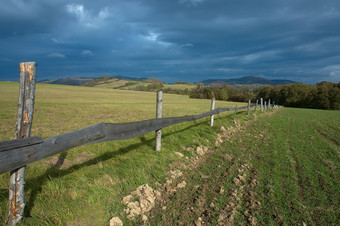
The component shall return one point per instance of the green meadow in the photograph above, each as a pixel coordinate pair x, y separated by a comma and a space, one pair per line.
89, 184
286, 161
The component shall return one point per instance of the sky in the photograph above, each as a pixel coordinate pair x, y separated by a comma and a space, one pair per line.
172, 40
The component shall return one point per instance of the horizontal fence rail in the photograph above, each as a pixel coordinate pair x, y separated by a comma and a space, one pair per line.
18, 153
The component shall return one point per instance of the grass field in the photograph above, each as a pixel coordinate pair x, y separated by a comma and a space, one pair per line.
277, 167
282, 169
87, 183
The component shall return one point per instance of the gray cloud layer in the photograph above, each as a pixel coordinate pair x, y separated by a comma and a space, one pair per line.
172, 40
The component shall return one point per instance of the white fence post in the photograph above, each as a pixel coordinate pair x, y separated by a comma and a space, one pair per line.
212, 108
159, 110
261, 104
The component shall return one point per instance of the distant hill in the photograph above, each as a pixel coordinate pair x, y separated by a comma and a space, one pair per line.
93, 81
67, 81
249, 80
130, 78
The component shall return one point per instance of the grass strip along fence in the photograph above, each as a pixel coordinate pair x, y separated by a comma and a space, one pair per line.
16, 154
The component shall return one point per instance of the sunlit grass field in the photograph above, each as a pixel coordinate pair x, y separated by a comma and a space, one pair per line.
294, 155
88, 186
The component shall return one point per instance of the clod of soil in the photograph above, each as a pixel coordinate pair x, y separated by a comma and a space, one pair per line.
179, 154
140, 201
200, 150
115, 221
181, 185
175, 174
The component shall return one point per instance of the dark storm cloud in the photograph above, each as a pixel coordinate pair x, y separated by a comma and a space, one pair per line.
173, 40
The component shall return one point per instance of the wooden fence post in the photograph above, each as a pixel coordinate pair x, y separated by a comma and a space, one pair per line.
248, 107
269, 104
235, 114
256, 104
23, 129
212, 108
265, 105
159, 110
261, 104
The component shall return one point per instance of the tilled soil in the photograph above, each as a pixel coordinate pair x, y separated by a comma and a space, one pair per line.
216, 186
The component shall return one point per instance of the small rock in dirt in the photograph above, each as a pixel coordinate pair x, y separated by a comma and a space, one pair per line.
179, 154
175, 173
223, 129
198, 222
196, 186
115, 221
236, 181
181, 185
221, 190
246, 213
212, 205
199, 150
144, 218
127, 199
164, 208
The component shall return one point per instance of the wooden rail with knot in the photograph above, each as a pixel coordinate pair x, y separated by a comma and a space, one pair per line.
16, 154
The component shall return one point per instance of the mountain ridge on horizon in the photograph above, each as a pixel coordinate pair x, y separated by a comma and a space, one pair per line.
246, 80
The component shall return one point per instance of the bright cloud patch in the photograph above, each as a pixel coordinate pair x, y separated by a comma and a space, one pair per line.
85, 17
56, 55
87, 52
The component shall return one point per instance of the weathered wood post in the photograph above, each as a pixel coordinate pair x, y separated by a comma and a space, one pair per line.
248, 107
257, 101
159, 110
269, 104
265, 105
212, 108
235, 114
23, 129
261, 104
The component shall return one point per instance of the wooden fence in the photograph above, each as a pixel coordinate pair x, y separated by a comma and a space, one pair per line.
16, 154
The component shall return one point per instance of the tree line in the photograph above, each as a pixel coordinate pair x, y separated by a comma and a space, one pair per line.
323, 95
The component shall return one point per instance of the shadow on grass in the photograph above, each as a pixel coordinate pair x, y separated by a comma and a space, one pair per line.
36, 184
